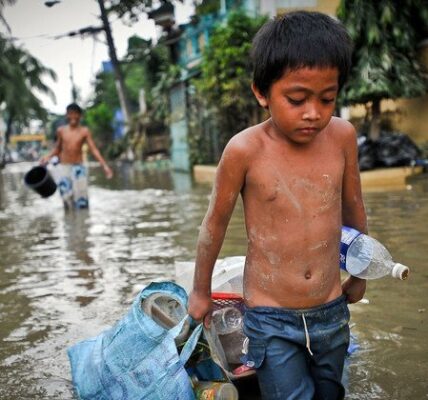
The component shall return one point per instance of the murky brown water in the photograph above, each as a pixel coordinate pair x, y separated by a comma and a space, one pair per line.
66, 277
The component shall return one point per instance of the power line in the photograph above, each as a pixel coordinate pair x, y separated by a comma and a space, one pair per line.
41, 36
87, 31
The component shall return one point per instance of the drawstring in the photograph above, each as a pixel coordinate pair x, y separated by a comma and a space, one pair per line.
245, 345
308, 340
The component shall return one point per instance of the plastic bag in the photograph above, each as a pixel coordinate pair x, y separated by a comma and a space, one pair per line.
136, 358
367, 154
396, 150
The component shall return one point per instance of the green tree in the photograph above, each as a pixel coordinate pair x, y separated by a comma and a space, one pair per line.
160, 93
225, 81
99, 119
21, 80
386, 34
132, 9
145, 67
104, 91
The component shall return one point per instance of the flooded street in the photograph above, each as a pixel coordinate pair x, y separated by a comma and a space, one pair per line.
65, 277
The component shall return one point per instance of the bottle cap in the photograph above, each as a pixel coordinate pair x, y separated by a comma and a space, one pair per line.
400, 271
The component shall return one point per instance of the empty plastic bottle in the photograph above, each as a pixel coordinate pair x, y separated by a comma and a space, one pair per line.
227, 320
365, 257
167, 311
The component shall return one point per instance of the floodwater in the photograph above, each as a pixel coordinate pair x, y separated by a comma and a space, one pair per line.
66, 277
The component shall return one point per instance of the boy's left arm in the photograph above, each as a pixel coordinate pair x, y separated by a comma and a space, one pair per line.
96, 153
353, 212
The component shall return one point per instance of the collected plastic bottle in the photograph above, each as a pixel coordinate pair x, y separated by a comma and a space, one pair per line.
227, 320
167, 311
228, 325
215, 390
365, 257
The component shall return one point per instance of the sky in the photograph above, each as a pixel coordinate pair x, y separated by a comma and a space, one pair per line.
35, 25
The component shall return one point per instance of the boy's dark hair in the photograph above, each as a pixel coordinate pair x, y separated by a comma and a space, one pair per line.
74, 107
297, 40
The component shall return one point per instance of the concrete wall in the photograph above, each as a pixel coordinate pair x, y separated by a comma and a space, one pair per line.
371, 181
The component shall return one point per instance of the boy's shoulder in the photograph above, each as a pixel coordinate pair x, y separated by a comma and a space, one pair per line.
341, 133
341, 127
85, 130
248, 140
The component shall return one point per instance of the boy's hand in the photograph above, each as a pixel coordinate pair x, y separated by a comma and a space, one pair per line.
200, 307
108, 172
354, 288
44, 160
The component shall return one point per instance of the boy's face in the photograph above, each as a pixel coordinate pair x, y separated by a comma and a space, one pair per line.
301, 102
73, 117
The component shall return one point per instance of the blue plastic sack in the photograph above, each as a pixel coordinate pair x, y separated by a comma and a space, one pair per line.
137, 358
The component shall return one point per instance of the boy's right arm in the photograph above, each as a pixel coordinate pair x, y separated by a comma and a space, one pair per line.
230, 178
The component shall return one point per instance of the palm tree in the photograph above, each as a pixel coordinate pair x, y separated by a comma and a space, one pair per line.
3, 3
21, 79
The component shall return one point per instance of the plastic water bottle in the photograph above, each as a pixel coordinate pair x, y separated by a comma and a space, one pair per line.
215, 390
364, 257
228, 325
227, 320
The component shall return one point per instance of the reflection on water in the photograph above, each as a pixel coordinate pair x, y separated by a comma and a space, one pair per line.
67, 276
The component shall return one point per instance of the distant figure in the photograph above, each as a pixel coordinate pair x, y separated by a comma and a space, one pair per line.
298, 176
72, 174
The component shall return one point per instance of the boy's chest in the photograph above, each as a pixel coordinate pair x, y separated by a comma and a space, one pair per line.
313, 178
73, 139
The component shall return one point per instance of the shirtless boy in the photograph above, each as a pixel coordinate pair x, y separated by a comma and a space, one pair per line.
298, 177
73, 176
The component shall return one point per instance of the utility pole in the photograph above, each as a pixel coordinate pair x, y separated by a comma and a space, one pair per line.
73, 86
120, 85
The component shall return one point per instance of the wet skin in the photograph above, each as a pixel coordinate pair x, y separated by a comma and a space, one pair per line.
70, 140
298, 177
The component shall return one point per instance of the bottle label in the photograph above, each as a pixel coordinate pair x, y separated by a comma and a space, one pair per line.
207, 391
348, 236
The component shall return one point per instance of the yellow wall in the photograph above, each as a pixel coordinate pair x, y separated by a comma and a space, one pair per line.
409, 116
324, 6
28, 138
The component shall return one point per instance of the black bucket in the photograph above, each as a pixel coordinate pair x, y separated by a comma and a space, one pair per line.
40, 180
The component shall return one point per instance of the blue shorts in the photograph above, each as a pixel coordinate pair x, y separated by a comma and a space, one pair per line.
72, 180
298, 353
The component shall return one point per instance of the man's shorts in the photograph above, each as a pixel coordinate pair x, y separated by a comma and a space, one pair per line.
72, 180
298, 353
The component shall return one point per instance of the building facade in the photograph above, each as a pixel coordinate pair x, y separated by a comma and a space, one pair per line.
406, 115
